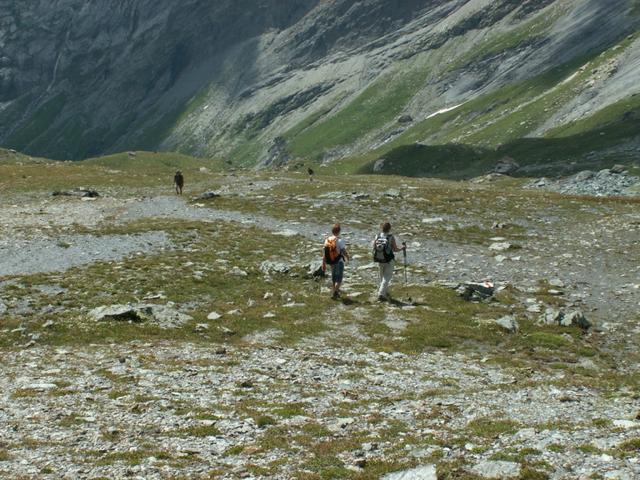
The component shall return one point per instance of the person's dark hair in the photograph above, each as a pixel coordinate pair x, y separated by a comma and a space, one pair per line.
386, 227
336, 229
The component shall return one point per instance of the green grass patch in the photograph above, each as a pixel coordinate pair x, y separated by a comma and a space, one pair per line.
491, 428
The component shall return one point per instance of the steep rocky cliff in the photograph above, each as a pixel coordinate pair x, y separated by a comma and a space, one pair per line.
270, 81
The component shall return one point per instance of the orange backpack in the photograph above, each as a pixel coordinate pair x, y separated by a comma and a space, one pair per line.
331, 253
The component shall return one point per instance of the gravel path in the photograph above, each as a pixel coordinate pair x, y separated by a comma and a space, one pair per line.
25, 257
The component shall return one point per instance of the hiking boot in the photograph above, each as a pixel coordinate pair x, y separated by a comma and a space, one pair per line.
335, 295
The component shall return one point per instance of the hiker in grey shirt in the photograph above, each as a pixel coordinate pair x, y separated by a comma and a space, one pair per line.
384, 249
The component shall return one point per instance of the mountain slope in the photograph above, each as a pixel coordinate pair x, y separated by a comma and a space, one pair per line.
272, 81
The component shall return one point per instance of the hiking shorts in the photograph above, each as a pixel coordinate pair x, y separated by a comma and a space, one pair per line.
337, 272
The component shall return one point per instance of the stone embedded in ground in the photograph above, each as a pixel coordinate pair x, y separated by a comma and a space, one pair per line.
506, 166
551, 316
500, 246
577, 319
429, 221
508, 324
626, 424
269, 267
497, 469
379, 165
164, 316
286, 233
427, 472
314, 270
476, 291
392, 193
41, 387
77, 192
238, 272
208, 196
127, 313
214, 316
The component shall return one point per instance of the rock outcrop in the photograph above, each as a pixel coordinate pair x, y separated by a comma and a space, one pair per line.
249, 79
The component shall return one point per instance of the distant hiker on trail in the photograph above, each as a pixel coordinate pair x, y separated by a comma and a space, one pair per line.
178, 180
335, 254
384, 248
310, 172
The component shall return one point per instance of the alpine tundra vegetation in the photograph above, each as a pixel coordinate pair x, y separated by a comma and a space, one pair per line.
146, 334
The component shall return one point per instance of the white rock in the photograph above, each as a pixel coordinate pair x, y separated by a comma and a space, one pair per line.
508, 323
427, 472
286, 233
497, 469
626, 424
432, 220
42, 387
500, 246
214, 316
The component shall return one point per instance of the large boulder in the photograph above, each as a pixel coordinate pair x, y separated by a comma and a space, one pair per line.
506, 166
269, 267
476, 291
165, 316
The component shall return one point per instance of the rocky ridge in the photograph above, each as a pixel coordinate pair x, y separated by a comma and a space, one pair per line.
174, 80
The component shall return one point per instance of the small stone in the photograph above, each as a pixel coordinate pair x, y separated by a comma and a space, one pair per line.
432, 220
42, 387
220, 351
251, 450
508, 324
208, 196
202, 327
392, 193
576, 319
360, 462
238, 272
500, 246
214, 316
535, 308
556, 282
626, 424
551, 316
48, 324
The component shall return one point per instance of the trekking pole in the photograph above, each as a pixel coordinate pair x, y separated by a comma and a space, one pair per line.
404, 254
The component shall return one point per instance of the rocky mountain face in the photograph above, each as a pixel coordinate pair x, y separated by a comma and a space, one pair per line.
272, 81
